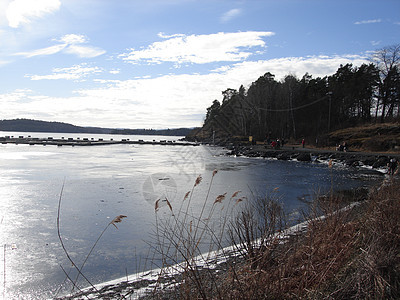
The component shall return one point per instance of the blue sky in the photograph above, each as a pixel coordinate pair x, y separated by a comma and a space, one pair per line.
161, 63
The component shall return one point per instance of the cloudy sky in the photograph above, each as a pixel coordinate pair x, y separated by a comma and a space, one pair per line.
161, 63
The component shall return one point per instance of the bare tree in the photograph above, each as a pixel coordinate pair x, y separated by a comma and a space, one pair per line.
387, 61
386, 58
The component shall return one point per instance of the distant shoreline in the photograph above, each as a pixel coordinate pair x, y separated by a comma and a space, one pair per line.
27, 125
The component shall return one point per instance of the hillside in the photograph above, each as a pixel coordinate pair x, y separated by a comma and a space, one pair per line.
27, 125
371, 137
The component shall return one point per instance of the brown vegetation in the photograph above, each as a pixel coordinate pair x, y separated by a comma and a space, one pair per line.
371, 137
351, 253
348, 247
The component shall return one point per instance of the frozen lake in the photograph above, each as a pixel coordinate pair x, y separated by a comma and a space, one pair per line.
103, 182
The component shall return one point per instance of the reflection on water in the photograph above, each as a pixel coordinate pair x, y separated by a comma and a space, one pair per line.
106, 181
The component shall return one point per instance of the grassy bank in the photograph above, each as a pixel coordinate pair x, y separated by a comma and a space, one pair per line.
348, 247
350, 254
380, 137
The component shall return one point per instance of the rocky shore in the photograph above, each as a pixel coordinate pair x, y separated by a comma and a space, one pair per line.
374, 162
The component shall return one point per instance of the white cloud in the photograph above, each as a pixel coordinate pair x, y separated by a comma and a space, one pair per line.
159, 102
23, 11
200, 49
4, 62
70, 45
73, 39
10, 98
44, 51
317, 66
229, 15
166, 36
77, 73
368, 22
84, 51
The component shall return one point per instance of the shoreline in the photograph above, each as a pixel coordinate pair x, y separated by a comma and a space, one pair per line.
370, 162
164, 281
143, 283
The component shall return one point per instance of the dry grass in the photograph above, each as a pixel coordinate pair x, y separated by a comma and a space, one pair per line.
348, 254
183, 237
371, 137
374, 272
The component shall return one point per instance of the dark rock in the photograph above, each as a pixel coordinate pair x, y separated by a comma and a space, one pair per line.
269, 154
368, 161
352, 162
380, 162
253, 154
283, 156
372, 172
304, 157
341, 156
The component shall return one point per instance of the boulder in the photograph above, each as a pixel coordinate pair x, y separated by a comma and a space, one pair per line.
368, 161
283, 156
304, 157
352, 162
380, 162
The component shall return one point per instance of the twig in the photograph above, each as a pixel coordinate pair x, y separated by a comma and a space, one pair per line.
87, 256
67, 276
62, 243
4, 283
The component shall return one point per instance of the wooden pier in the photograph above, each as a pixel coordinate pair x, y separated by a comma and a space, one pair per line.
86, 141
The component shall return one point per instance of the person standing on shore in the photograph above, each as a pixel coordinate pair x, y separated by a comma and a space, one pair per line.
303, 142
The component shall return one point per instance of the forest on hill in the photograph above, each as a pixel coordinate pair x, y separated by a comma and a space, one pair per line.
308, 107
27, 125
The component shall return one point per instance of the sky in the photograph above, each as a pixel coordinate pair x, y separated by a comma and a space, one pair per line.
160, 63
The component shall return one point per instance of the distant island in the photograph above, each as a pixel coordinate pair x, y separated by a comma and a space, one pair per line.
28, 125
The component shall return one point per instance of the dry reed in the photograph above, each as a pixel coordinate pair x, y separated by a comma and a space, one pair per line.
349, 253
